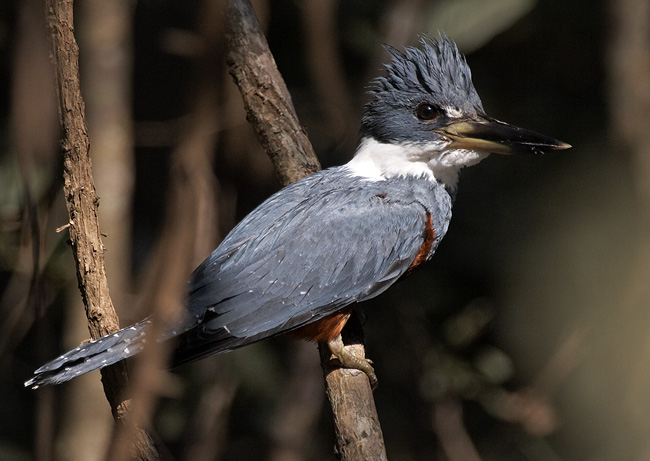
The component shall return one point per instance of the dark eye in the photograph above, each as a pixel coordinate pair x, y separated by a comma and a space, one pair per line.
427, 111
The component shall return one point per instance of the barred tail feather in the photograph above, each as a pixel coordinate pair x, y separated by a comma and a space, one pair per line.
94, 355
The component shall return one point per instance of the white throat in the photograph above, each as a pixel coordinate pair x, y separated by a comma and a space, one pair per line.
377, 161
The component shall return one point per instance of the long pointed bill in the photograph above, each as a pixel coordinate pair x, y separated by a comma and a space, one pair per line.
489, 135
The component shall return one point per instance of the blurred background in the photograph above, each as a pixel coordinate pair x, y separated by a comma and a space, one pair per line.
526, 337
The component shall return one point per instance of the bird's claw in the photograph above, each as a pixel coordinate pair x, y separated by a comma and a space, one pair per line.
348, 360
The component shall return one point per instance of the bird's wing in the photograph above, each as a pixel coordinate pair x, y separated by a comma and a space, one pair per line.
305, 253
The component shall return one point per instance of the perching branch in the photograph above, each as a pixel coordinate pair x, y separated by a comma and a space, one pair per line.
82, 202
270, 110
358, 432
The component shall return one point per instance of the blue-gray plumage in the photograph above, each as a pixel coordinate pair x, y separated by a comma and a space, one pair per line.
340, 236
411, 79
296, 260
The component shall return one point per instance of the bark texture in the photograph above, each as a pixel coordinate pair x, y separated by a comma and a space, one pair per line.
82, 203
358, 431
267, 101
270, 110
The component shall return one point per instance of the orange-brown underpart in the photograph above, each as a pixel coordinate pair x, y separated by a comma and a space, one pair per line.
325, 329
429, 237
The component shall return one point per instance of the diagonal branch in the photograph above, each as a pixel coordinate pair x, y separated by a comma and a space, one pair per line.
270, 110
267, 101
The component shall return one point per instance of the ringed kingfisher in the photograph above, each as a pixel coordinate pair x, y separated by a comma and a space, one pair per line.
301, 260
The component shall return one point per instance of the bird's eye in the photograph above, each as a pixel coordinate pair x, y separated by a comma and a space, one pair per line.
427, 112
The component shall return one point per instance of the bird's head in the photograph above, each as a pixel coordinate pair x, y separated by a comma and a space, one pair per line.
425, 117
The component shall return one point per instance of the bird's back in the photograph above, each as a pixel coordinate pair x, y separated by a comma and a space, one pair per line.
313, 248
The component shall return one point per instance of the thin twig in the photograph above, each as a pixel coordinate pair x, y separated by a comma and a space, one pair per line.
189, 220
82, 201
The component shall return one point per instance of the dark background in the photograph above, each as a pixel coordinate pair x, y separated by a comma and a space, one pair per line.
531, 320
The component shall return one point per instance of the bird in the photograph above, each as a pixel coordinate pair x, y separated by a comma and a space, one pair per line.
302, 260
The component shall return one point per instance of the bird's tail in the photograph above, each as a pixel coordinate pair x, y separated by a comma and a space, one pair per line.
94, 355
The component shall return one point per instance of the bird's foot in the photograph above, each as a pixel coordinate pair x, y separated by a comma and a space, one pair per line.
349, 360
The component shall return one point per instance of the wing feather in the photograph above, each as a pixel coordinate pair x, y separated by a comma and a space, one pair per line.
305, 253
